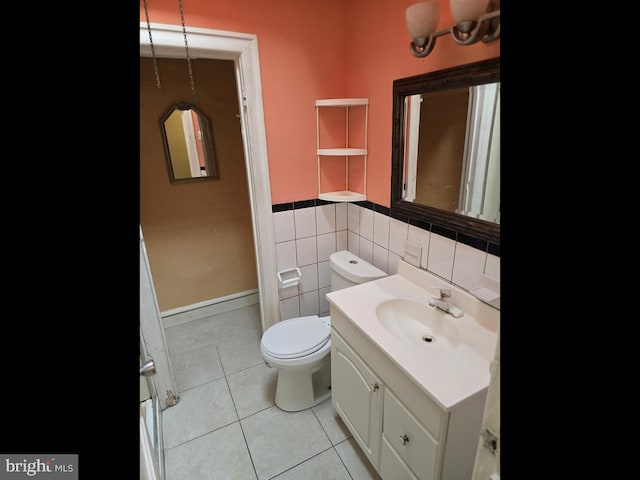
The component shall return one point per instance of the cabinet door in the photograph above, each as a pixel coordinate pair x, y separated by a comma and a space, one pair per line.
356, 394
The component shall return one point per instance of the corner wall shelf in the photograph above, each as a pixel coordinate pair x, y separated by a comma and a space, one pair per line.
343, 151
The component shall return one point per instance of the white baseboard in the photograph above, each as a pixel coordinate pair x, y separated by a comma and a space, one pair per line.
178, 316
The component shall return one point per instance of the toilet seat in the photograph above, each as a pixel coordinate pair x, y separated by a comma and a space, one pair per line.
296, 337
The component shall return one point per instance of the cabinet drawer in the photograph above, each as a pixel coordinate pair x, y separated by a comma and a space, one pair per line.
391, 465
419, 450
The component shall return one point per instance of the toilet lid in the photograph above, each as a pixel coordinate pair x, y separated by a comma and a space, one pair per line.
296, 337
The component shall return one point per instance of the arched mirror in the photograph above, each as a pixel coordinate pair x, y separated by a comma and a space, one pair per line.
446, 149
188, 144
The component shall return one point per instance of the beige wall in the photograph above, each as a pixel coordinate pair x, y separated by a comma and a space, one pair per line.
198, 235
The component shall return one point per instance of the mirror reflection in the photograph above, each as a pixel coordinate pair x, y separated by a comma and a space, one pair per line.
452, 152
188, 144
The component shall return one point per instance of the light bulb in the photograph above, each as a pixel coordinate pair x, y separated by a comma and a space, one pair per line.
467, 10
422, 19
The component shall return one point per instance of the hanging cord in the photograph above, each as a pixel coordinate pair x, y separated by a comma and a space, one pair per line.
153, 53
186, 47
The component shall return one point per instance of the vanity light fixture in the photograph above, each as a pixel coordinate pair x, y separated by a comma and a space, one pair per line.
475, 20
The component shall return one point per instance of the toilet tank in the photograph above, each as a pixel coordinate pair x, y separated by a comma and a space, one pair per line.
348, 270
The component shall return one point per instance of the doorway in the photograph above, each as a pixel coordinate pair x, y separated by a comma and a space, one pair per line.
168, 42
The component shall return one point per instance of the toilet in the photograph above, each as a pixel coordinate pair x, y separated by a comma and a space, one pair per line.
300, 348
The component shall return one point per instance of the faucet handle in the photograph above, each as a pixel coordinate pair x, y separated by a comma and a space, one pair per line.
444, 292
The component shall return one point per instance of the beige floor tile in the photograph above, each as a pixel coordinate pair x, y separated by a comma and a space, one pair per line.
196, 367
357, 464
280, 440
221, 454
253, 389
331, 422
325, 466
200, 410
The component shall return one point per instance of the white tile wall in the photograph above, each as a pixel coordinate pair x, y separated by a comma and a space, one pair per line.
421, 237
381, 230
305, 221
341, 216
398, 233
366, 250
440, 256
326, 218
306, 238
366, 223
286, 255
326, 246
353, 218
307, 251
284, 226
309, 280
468, 265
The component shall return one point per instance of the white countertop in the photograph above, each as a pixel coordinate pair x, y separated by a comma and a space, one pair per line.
448, 375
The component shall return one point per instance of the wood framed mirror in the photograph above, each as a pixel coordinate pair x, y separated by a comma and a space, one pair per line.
461, 190
188, 144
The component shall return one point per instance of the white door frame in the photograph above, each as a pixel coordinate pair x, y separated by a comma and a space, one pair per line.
168, 42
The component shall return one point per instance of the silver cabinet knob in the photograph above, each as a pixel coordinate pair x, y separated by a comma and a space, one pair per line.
375, 387
404, 439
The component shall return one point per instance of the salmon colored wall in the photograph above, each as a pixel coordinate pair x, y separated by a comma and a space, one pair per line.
328, 49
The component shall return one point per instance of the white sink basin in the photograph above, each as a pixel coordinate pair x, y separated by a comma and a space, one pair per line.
418, 324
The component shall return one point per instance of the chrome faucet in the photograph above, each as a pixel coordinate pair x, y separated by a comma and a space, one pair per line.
442, 304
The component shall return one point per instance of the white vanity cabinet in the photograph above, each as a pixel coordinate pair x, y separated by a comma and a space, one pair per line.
357, 395
402, 430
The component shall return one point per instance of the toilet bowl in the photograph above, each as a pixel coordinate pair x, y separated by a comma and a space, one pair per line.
300, 347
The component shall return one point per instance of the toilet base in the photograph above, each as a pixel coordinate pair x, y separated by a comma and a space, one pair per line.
301, 388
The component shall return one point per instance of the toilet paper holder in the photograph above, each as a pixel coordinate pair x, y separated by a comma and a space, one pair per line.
289, 278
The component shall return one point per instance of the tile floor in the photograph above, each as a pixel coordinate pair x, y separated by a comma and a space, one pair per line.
226, 425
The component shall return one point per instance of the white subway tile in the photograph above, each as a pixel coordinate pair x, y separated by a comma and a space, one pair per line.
309, 280
284, 226
341, 240
324, 303
353, 218
285, 255
324, 274
288, 292
398, 233
326, 218
354, 243
468, 265
366, 223
366, 250
289, 308
440, 257
341, 216
381, 258
326, 246
381, 229
393, 263
307, 251
309, 304
305, 222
